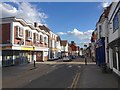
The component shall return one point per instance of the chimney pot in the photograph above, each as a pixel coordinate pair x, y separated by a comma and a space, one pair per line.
35, 24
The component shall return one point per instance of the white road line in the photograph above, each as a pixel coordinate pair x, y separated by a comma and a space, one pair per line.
69, 66
54, 66
79, 66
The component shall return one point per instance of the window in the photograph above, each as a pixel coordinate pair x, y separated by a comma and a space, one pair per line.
19, 32
115, 23
41, 38
29, 35
100, 29
37, 37
45, 40
114, 59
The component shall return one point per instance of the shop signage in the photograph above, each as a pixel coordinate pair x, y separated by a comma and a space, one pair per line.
27, 48
6, 47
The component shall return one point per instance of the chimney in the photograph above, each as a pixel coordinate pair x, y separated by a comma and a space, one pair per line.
35, 24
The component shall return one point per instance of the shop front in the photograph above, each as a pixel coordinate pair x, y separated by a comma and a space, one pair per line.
13, 56
115, 46
100, 51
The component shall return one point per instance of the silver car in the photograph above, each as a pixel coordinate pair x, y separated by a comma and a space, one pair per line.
67, 59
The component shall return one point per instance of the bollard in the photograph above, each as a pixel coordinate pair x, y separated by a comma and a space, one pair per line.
34, 63
85, 61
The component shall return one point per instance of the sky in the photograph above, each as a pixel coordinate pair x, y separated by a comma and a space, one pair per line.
72, 21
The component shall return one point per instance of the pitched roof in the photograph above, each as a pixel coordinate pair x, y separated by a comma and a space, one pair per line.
58, 38
64, 42
43, 27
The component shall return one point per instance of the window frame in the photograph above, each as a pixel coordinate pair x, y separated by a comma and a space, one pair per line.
19, 31
115, 28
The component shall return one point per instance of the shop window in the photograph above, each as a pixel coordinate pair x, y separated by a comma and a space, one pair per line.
119, 58
115, 23
114, 60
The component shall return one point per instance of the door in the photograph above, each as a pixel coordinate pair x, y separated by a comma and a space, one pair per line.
39, 56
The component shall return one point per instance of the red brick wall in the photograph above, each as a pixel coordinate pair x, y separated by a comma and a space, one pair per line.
73, 48
6, 33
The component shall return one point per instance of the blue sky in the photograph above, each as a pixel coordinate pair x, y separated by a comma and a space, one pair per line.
64, 17
72, 21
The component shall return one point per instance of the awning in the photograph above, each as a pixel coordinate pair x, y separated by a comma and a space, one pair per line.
114, 43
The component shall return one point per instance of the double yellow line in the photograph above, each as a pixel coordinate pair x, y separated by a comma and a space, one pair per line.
75, 81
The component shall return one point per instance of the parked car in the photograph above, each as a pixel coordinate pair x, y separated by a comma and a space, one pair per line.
67, 59
82, 56
73, 57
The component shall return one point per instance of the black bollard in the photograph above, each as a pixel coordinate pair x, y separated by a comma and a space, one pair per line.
34, 63
85, 61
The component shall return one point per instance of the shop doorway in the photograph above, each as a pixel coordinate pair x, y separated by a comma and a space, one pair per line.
39, 56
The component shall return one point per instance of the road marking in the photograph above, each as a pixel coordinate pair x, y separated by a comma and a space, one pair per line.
54, 66
69, 66
79, 66
30, 80
76, 63
75, 81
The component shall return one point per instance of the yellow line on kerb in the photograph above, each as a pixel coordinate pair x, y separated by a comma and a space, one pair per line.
75, 81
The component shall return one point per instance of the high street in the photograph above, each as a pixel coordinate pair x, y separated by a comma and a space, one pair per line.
56, 74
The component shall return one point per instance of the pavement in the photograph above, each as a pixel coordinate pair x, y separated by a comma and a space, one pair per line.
57, 74
23, 74
92, 77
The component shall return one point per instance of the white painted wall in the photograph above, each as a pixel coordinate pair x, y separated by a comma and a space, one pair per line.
58, 45
116, 34
66, 48
113, 35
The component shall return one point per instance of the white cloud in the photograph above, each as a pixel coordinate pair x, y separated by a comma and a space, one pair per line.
25, 10
75, 32
61, 33
105, 4
81, 35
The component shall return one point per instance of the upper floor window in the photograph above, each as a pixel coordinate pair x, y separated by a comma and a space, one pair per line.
37, 37
41, 38
100, 30
19, 32
115, 22
29, 34
45, 40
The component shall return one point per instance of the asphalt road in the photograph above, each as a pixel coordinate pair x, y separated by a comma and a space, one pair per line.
63, 77
47, 75
57, 74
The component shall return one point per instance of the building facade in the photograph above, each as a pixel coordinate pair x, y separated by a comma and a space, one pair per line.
64, 48
22, 42
107, 44
102, 34
52, 46
114, 37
